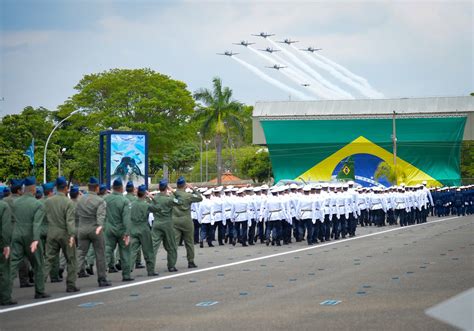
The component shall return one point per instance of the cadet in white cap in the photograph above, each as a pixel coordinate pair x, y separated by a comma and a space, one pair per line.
218, 214
275, 214
305, 213
240, 218
204, 212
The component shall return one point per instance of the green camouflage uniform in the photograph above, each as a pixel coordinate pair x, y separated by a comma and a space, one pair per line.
90, 211
163, 229
183, 224
117, 225
29, 215
5, 241
60, 211
140, 234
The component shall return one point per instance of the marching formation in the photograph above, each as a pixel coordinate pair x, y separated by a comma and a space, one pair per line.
44, 231
318, 213
48, 229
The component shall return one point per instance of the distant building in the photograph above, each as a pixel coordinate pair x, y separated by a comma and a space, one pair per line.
313, 140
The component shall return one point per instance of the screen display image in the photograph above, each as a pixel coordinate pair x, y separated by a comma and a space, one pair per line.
127, 158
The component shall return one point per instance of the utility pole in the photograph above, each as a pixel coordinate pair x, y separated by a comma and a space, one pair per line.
200, 167
207, 142
394, 139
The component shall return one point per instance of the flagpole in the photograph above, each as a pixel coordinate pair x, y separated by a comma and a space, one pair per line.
33, 143
47, 142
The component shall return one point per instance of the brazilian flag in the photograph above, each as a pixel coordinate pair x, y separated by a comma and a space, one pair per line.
347, 171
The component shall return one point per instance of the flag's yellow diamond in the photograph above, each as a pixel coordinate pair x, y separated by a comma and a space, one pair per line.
346, 170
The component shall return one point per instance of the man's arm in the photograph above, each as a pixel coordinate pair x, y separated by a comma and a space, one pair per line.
71, 219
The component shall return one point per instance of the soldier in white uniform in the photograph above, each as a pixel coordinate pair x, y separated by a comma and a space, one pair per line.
261, 220
275, 214
305, 213
318, 214
401, 209
218, 214
227, 203
378, 206
253, 214
240, 217
204, 214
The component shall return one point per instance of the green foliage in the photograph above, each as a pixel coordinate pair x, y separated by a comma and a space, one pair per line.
17, 132
183, 157
467, 160
391, 173
130, 99
257, 167
217, 113
123, 99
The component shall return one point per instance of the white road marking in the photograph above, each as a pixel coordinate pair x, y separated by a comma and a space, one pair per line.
187, 273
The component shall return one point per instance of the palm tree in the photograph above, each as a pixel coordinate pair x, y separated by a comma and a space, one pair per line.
217, 112
391, 173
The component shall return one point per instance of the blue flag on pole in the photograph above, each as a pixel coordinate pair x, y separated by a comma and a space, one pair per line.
30, 152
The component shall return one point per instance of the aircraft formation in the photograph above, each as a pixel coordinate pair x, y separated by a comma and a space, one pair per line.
270, 50
301, 66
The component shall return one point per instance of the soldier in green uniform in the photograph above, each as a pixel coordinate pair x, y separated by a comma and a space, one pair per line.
55, 274
163, 229
29, 214
90, 257
117, 228
183, 224
90, 211
140, 234
5, 242
61, 232
26, 276
130, 189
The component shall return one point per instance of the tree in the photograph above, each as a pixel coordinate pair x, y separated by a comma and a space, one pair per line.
183, 157
17, 132
139, 99
467, 162
257, 166
391, 173
218, 113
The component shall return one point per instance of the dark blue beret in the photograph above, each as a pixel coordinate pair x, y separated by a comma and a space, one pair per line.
93, 181
163, 184
61, 181
117, 182
48, 186
102, 187
30, 181
16, 182
74, 189
129, 184
142, 188
181, 181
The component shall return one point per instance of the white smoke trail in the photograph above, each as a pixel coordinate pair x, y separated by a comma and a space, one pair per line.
315, 85
320, 92
270, 80
350, 74
343, 78
311, 71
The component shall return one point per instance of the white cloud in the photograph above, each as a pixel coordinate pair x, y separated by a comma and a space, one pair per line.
372, 39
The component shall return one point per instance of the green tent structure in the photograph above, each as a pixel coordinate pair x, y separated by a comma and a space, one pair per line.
321, 140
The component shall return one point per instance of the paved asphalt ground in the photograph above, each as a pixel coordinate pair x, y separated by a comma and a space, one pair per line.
383, 281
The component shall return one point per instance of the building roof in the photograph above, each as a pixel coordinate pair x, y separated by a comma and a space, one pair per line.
365, 107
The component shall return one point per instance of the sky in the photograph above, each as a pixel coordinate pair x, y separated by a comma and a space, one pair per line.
402, 48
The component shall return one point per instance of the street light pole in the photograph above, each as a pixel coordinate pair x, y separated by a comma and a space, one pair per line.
200, 167
47, 142
394, 138
207, 169
61, 152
